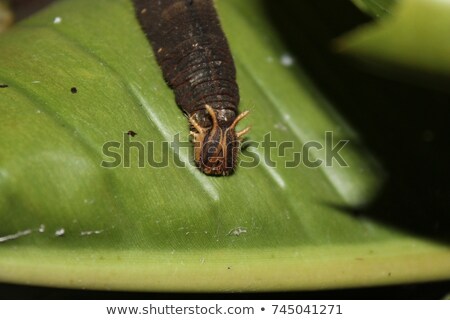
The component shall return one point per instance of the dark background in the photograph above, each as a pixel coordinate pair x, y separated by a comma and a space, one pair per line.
436, 290
406, 126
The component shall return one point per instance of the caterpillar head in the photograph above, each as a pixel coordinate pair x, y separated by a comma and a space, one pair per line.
217, 146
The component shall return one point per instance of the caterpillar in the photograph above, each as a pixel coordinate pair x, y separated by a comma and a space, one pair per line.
196, 62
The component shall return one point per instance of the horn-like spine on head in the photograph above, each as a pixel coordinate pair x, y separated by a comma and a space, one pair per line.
216, 147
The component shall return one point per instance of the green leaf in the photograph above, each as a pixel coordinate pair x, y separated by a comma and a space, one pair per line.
414, 38
67, 221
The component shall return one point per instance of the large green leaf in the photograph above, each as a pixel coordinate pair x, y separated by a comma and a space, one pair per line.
414, 37
174, 228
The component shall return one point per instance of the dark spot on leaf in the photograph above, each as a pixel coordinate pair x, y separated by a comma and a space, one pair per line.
3, 86
73, 90
131, 133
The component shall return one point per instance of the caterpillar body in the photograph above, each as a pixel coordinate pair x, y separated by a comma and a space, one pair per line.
196, 62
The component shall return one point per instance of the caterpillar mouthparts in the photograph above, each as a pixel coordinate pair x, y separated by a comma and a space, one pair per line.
217, 146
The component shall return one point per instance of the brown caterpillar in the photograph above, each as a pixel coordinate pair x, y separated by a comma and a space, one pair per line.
196, 62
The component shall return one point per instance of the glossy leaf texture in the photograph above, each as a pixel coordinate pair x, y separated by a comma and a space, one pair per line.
67, 221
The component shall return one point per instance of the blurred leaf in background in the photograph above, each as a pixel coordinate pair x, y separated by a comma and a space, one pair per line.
413, 37
376, 8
